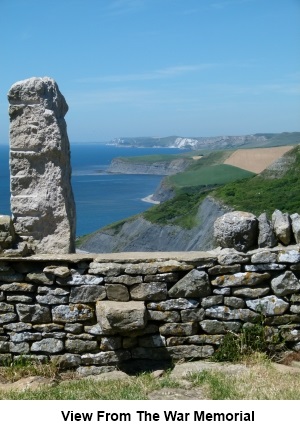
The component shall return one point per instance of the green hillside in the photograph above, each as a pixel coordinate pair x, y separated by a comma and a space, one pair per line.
264, 193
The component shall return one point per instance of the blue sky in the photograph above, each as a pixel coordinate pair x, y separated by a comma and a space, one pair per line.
158, 67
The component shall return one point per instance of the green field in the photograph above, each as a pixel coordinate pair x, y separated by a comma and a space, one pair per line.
264, 194
210, 175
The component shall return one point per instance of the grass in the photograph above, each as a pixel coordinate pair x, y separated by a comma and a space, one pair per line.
262, 382
263, 193
209, 175
259, 381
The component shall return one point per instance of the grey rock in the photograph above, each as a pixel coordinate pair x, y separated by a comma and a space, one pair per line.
78, 346
295, 309
67, 361
77, 279
149, 291
154, 341
234, 302
241, 278
61, 271
224, 269
48, 328
92, 371
8, 317
188, 315
19, 326
4, 307
42, 201
290, 334
124, 279
167, 316
227, 314
25, 337
162, 277
110, 343
251, 293
87, 293
121, 317
194, 284
117, 292
289, 256
48, 346
263, 267
4, 347
141, 269
264, 257
229, 256
269, 306
178, 329
72, 313
295, 218
266, 235
197, 339
33, 313
75, 328
190, 351
284, 284
19, 348
104, 358
40, 278
7, 232
207, 302
220, 327
236, 230
18, 298
282, 226
18, 287
173, 304
222, 291
52, 299
105, 269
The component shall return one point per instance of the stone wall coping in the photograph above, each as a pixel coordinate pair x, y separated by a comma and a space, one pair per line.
122, 257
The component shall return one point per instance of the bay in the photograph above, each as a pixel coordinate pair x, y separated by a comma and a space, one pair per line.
100, 198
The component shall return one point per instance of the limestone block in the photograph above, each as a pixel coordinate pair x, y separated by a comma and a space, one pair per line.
220, 327
121, 316
105, 269
284, 284
72, 313
77, 279
110, 343
264, 257
266, 235
190, 351
42, 201
282, 226
50, 346
103, 358
197, 339
7, 232
241, 278
236, 230
87, 293
149, 291
178, 329
173, 304
250, 293
295, 218
192, 315
78, 346
194, 284
33, 313
207, 302
269, 305
167, 316
289, 256
117, 292
225, 313
234, 302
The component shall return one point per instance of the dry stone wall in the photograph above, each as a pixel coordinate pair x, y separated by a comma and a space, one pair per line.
97, 312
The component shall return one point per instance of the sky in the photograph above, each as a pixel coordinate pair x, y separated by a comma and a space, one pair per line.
158, 67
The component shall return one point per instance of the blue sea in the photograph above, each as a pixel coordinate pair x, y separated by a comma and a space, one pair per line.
101, 198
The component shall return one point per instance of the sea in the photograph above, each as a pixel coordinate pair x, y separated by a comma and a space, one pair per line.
101, 198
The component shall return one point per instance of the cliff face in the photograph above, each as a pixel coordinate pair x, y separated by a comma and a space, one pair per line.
119, 165
138, 234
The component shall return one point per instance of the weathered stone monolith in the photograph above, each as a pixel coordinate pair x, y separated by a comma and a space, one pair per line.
42, 202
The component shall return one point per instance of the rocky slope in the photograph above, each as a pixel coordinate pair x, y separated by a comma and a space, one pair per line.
138, 234
125, 166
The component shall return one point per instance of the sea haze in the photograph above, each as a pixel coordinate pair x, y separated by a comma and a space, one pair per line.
100, 198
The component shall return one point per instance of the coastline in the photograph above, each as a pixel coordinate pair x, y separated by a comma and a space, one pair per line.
148, 199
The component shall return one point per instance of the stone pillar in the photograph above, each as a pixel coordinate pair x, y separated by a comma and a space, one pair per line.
42, 202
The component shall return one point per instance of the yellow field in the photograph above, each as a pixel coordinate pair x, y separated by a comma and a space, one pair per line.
257, 159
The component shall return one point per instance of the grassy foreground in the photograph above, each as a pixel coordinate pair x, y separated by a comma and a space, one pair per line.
261, 381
